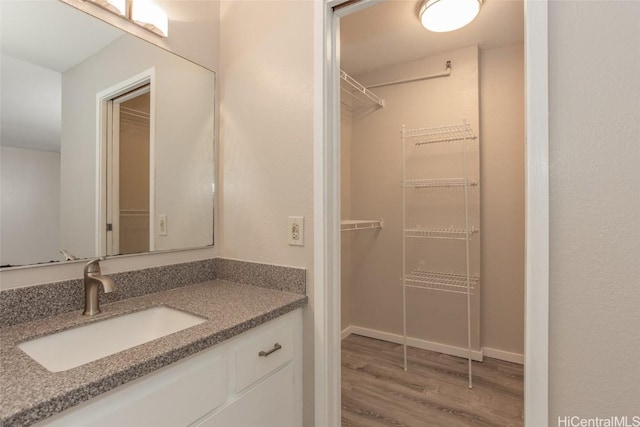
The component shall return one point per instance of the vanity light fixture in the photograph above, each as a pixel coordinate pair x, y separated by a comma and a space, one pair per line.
119, 7
141, 12
149, 15
447, 15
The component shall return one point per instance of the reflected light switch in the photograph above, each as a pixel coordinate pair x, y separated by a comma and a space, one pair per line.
162, 224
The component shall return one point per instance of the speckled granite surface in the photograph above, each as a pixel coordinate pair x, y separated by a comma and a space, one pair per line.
289, 279
37, 302
41, 301
29, 393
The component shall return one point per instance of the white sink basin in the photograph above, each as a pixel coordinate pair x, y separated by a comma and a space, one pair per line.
74, 347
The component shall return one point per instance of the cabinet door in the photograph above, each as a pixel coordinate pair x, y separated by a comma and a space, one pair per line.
262, 354
271, 403
172, 397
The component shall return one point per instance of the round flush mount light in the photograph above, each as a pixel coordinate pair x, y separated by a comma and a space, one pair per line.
447, 15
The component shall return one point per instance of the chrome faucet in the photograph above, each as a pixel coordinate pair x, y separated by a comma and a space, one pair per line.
92, 281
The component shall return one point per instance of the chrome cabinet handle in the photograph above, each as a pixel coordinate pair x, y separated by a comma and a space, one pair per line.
275, 348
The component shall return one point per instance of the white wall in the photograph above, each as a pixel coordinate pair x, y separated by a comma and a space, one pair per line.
183, 154
30, 105
594, 91
29, 206
502, 202
266, 134
200, 43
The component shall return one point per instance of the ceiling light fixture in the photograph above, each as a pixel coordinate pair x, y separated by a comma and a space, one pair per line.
447, 15
119, 7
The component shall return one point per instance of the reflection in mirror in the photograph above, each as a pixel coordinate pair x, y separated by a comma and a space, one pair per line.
128, 197
107, 141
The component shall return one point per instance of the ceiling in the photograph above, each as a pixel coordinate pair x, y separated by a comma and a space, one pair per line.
52, 34
390, 33
41, 40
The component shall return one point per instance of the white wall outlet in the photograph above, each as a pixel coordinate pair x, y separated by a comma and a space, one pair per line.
162, 224
296, 230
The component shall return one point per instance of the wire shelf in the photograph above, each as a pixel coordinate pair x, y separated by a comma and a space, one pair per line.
440, 134
438, 183
358, 91
360, 224
446, 282
440, 233
134, 212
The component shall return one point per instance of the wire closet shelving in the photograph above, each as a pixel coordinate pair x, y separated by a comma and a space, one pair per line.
440, 233
438, 183
457, 283
448, 282
360, 224
359, 93
365, 97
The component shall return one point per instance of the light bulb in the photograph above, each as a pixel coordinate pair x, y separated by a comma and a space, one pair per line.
447, 15
150, 16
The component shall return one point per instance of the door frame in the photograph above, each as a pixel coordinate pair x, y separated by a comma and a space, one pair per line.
113, 167
326, 154
112, 184
147, 77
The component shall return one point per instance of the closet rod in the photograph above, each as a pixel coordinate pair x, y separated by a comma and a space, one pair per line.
415, 79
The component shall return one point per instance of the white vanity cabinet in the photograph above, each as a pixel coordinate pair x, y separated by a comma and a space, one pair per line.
261, 406
253, 379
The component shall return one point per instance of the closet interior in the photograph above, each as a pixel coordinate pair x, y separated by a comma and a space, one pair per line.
432, 182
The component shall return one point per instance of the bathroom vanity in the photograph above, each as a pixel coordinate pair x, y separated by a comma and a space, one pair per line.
242, 364
241, 367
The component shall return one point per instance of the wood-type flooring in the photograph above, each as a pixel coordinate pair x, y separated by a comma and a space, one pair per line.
376, 391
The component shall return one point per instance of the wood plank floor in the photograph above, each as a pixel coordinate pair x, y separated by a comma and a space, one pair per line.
376, 391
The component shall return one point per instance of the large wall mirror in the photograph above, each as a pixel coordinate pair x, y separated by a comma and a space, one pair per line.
107, 140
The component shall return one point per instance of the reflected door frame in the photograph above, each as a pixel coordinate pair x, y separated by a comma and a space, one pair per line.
114, 140
104, 209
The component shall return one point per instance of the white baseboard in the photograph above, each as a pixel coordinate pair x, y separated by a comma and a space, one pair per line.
412, 342
434, 346
504, 355
346, 331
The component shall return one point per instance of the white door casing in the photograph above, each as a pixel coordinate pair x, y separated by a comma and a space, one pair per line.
326, 296
104, 199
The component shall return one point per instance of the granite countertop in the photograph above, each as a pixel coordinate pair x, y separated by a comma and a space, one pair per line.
30, 393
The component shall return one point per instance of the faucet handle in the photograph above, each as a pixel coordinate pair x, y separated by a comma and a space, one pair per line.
93, 266
67, 255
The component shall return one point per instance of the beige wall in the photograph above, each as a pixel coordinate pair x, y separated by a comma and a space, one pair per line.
502, 201
346, 287
266, 135
502, 205
376, 173
594, 90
